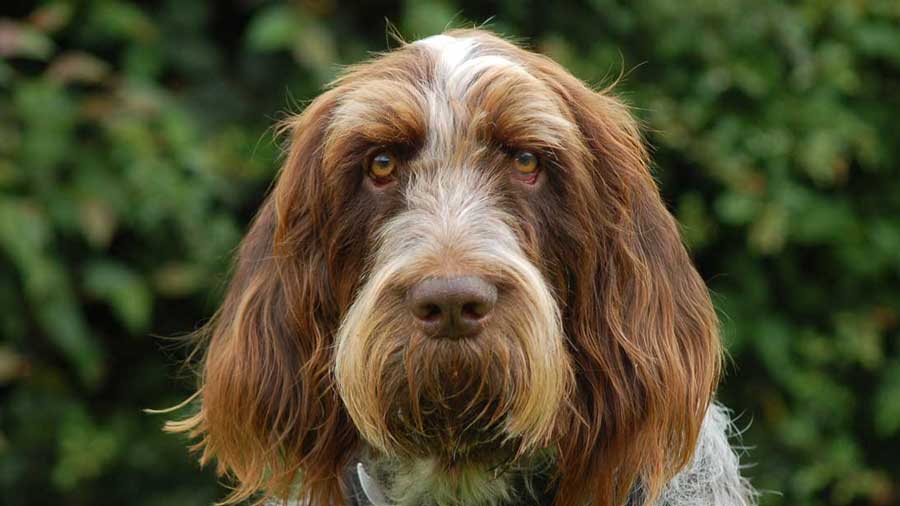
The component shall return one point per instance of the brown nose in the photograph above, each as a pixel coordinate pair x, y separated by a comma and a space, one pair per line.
452, 307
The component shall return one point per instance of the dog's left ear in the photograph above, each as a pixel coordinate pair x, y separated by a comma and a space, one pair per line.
269, 413
638, 316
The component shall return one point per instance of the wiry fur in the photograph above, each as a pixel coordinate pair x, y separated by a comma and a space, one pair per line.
449, 226
602, 350
425, 483
713, 478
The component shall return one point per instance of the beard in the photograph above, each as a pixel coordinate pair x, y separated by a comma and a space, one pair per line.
486, 398
451, 399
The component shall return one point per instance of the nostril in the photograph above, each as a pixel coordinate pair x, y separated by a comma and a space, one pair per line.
430, 312
426, 310
475, 310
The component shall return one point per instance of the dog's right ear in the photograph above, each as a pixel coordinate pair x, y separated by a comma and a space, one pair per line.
639, 318
268, 408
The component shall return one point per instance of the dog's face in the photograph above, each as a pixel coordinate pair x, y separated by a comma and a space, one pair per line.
465, 259
452, 345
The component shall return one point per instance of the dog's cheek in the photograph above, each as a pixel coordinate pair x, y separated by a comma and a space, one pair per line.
370, 342
352, 240
541, 223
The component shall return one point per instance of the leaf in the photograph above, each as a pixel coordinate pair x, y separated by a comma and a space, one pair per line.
887, 402
6, 73
121, 20
423, 18
769, 232
820, 155
273, 28
25, 237
78, 67
46, 138
12, 366
61, 318
737, 208
123, 289
178, 279
98, 222
697, 228
315, 47
85, 449
859, 339
52, 16
18, 40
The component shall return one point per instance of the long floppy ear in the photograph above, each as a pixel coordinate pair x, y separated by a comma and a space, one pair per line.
640, 319
269, 411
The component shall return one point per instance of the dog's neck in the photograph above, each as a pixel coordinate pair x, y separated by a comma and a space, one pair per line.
712, 479
425, 482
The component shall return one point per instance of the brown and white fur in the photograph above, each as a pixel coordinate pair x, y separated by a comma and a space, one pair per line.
597, 366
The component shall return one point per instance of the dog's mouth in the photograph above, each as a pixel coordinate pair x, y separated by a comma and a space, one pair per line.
451, 440
484, 397
450, 399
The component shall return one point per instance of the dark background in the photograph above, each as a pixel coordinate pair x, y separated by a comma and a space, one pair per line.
136, 143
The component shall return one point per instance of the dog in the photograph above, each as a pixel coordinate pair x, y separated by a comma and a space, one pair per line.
465, 289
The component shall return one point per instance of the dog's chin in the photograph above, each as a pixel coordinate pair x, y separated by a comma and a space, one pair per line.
451, 441
450, 400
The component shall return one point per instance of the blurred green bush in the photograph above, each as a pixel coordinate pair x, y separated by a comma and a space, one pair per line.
135, 146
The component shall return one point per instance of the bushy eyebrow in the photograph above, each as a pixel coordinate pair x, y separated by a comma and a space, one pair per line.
420, 99
383, 112
518, 110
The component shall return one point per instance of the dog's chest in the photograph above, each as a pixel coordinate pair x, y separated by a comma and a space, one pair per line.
510, 489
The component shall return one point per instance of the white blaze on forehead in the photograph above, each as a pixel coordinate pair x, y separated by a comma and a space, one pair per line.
451, 51
459, 62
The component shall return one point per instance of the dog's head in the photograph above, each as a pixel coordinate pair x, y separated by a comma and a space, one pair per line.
465, 258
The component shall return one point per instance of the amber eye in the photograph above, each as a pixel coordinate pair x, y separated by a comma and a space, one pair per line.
382, 165
526, 162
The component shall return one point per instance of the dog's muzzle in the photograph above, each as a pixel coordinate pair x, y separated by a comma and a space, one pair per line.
453, 343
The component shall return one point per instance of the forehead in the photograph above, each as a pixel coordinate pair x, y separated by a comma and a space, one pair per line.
449, 88
459, 62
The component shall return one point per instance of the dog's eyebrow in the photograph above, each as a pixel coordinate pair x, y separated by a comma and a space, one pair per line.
520, 112
383, 111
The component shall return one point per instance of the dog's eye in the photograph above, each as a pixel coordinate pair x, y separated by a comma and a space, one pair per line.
527, 164
381, 166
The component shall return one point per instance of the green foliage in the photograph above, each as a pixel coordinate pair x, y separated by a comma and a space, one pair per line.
135, 144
